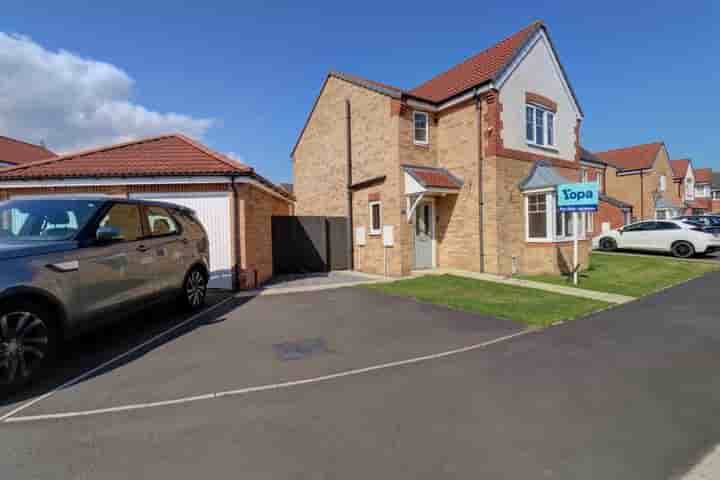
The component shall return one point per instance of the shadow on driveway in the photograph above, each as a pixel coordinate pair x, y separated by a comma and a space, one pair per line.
82, 354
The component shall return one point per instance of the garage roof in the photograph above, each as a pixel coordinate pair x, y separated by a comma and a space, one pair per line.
172, 155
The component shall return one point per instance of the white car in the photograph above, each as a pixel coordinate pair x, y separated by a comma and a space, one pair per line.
678, 237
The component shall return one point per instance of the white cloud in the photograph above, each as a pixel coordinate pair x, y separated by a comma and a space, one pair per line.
236, 156
71, 102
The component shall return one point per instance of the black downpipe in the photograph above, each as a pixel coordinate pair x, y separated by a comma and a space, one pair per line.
642, 196
478, 107
236, 247
348, 149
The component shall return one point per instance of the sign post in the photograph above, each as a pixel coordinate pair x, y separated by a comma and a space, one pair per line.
576, 198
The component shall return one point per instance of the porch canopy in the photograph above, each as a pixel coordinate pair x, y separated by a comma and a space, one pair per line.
423, 181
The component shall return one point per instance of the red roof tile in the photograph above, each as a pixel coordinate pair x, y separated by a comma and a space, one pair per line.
703, 175
19, 152
679, 167
168, 155
433, 177
632, 158
475, 70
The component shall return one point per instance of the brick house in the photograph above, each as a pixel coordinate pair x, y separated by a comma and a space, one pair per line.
703, 192
642, 176
16, 152
461, 169
612, 212
684, 179
233, 202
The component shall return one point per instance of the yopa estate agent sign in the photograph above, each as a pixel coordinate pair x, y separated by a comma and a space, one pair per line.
576, 198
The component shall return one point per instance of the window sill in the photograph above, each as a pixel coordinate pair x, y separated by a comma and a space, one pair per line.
546, 148
421, 144
374, 234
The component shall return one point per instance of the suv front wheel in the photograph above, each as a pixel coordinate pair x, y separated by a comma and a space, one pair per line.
28, 342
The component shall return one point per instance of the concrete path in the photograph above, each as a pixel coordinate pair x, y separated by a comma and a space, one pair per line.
575, 292
314, 283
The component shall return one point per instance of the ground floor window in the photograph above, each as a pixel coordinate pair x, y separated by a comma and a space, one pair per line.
661, 214
544, 223
590, 222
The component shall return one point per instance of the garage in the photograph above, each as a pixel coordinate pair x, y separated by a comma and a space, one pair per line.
233, 202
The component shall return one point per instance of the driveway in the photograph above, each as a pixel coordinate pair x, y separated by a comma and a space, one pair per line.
631, 392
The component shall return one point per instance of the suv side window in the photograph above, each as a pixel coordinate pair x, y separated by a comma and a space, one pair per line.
126, 218
160, 221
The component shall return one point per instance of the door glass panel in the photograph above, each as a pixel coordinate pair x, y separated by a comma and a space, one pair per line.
126, 218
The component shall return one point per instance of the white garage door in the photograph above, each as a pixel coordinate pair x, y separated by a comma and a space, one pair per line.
213, 210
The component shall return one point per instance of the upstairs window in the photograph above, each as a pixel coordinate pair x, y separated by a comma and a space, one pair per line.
662, 183
689, 189
599, 180
539, 126
420, 123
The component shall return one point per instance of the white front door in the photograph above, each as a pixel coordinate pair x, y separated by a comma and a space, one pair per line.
213, 209
424, 228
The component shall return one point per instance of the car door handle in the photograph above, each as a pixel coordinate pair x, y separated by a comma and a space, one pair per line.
142, 248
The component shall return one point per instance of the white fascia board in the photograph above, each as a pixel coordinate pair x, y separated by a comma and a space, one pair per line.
109, 182
412, 186
450, 103
539, 190
537, 37
633, 172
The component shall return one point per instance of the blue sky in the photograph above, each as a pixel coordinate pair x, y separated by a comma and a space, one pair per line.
642, 72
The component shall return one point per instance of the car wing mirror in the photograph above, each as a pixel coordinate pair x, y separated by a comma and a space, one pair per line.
108, 234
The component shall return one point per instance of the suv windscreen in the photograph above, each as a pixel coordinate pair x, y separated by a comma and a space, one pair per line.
44, 219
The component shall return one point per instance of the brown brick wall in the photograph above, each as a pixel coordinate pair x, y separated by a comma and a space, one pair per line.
608, 213
320, 161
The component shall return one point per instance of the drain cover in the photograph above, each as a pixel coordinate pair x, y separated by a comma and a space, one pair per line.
300, 349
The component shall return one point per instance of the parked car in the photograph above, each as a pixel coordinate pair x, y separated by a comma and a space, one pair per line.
69, 265
711, 221
681, 238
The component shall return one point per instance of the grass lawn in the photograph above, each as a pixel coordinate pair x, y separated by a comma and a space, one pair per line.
634, 276
533, 307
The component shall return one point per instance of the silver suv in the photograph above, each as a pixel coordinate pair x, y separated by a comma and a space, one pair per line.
72, 264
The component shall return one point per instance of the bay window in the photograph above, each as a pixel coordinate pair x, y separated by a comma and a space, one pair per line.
539, 126
545, 223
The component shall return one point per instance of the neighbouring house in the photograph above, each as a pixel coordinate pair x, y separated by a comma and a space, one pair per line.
716, 192
612, 213
703, 192
642, 176
16, 152
233, 202
684, 179
459, 172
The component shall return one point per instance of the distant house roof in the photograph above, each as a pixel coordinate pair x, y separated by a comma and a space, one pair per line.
635, 157
18, 152
703, 175
588, 156
542, 175
614, 201
161, 156
680, 167
432, 177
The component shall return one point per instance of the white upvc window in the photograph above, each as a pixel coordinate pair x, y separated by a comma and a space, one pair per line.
590, 222
702, 191
689, 189
599, 180
583, 175
716, 195
662, 183
539, 126
420, 128
544, 223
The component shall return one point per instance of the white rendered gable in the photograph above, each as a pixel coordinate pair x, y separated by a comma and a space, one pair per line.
537, 70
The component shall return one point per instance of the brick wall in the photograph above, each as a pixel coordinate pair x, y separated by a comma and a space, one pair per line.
608, 213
